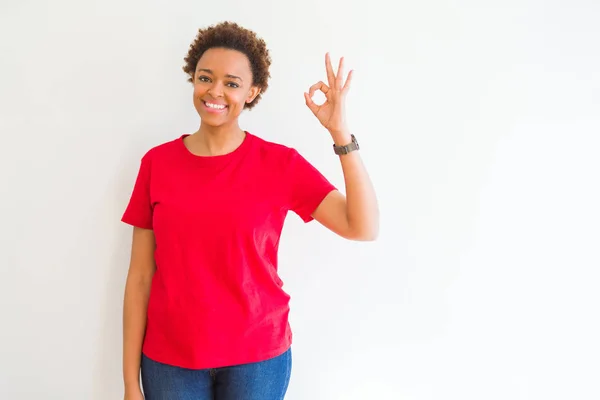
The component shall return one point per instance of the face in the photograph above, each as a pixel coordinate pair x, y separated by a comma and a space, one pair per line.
222, 86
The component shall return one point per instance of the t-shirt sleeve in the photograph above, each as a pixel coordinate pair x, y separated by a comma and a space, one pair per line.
307, 186
139, 210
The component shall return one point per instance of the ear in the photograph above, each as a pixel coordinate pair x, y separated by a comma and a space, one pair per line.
254, 91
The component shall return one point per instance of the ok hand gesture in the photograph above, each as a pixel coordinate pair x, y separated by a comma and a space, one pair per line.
331, 113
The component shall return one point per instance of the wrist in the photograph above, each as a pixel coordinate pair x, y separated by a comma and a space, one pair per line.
132, 385
341, 137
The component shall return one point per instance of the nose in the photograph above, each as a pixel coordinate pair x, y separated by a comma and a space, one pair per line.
216, 90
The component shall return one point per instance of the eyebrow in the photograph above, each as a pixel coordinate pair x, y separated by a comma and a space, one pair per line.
210, 72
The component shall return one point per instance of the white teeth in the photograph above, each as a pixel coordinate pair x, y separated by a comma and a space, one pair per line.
215, 106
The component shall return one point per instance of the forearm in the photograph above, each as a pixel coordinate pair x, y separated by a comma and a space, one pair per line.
361, 202
135, 308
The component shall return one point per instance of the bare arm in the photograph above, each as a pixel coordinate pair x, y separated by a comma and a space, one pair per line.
356, 215
135, 305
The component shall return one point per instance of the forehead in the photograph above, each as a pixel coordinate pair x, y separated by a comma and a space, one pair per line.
225, 61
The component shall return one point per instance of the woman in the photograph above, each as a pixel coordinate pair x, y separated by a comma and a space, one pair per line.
205, 316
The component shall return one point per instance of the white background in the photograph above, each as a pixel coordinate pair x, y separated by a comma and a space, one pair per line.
479, 123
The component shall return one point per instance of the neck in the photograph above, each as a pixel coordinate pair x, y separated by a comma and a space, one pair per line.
215, 141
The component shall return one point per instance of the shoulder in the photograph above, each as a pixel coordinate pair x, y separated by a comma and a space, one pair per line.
163, 150
274, 151
269, 145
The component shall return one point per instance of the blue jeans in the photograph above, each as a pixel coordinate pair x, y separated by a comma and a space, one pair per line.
265, 380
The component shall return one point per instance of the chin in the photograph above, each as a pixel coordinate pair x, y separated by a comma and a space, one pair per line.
215, 121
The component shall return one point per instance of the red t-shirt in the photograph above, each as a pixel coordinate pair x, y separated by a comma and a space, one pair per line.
216, 298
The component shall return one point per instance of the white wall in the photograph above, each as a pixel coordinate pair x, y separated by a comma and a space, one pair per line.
479, 123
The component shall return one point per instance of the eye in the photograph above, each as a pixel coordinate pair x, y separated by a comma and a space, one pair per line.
233, 85
203, 78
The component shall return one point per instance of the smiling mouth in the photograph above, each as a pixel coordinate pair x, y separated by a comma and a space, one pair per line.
213, 106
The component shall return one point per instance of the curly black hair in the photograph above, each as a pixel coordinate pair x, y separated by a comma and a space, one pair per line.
230, 35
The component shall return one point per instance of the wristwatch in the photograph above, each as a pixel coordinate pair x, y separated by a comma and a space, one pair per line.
353, 145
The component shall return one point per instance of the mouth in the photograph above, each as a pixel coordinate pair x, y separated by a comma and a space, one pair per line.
214, 107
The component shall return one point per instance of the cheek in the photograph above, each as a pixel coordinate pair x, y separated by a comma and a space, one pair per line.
240, 99
236, 97
199, 91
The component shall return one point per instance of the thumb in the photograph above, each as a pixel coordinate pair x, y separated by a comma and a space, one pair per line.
310, 103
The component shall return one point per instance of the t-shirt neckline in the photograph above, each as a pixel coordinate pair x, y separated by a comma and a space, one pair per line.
212, 160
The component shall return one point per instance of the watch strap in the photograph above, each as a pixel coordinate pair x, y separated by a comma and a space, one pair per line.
345, 149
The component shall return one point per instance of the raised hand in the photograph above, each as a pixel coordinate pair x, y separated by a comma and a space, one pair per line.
331, 113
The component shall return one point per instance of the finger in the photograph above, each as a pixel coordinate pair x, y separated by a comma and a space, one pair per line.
310, 103
340, 74
330, 74
348, 81
318, 86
